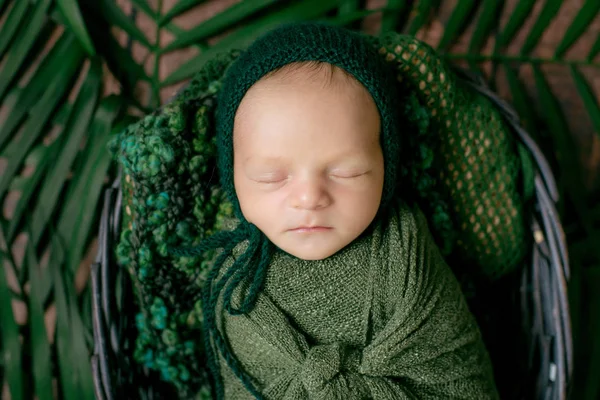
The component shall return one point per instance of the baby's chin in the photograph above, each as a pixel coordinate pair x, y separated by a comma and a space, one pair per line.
314, 251
310, 256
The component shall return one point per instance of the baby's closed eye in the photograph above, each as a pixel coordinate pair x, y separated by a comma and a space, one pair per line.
349, 171
269, 178
348, 174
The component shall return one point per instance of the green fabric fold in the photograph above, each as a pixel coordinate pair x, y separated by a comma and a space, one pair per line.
384, 318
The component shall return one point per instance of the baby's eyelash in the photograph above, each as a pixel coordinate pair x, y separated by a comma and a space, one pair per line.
273, 180
349, 175
270, 181
336, 175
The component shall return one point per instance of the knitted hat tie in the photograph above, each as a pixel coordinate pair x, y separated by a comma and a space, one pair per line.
252, 264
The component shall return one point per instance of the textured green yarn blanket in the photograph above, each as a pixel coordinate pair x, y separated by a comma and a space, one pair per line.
382, 319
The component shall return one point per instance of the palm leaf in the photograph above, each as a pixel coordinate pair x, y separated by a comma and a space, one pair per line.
71, 13
72, 353
11, 345
49, 100
515, 22
145, 7
395, 18
28, 31
13, 21
457, 22
547, 14
38, 338
485, 24
80, 203
581, 22
178, 8
310, 9
62, 158
246, 19
588, 98
594, 50
66, 67
422, 12
217, 24
521, 101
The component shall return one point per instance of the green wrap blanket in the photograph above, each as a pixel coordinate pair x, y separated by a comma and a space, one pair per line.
384, 318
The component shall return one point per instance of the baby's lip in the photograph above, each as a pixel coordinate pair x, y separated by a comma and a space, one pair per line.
311, 228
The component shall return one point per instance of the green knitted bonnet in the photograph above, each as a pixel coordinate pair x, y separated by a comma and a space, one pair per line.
307, 41
300, 42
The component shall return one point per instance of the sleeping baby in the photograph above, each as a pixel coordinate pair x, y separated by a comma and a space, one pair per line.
329, 285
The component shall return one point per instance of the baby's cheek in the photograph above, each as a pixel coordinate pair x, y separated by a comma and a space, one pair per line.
247, 200
360, 206
258, 206
360, 191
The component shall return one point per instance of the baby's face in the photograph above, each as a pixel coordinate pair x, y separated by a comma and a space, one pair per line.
308, 166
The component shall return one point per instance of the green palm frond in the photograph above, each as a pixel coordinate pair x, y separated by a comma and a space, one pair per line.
51, 101
55, 121
247, 19
298, 11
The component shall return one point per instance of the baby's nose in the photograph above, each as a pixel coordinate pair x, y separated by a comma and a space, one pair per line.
310, 195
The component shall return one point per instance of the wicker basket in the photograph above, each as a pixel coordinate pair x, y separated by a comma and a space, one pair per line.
537, 295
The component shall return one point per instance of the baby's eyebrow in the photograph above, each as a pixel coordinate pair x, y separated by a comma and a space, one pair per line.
353, 155
266, 159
